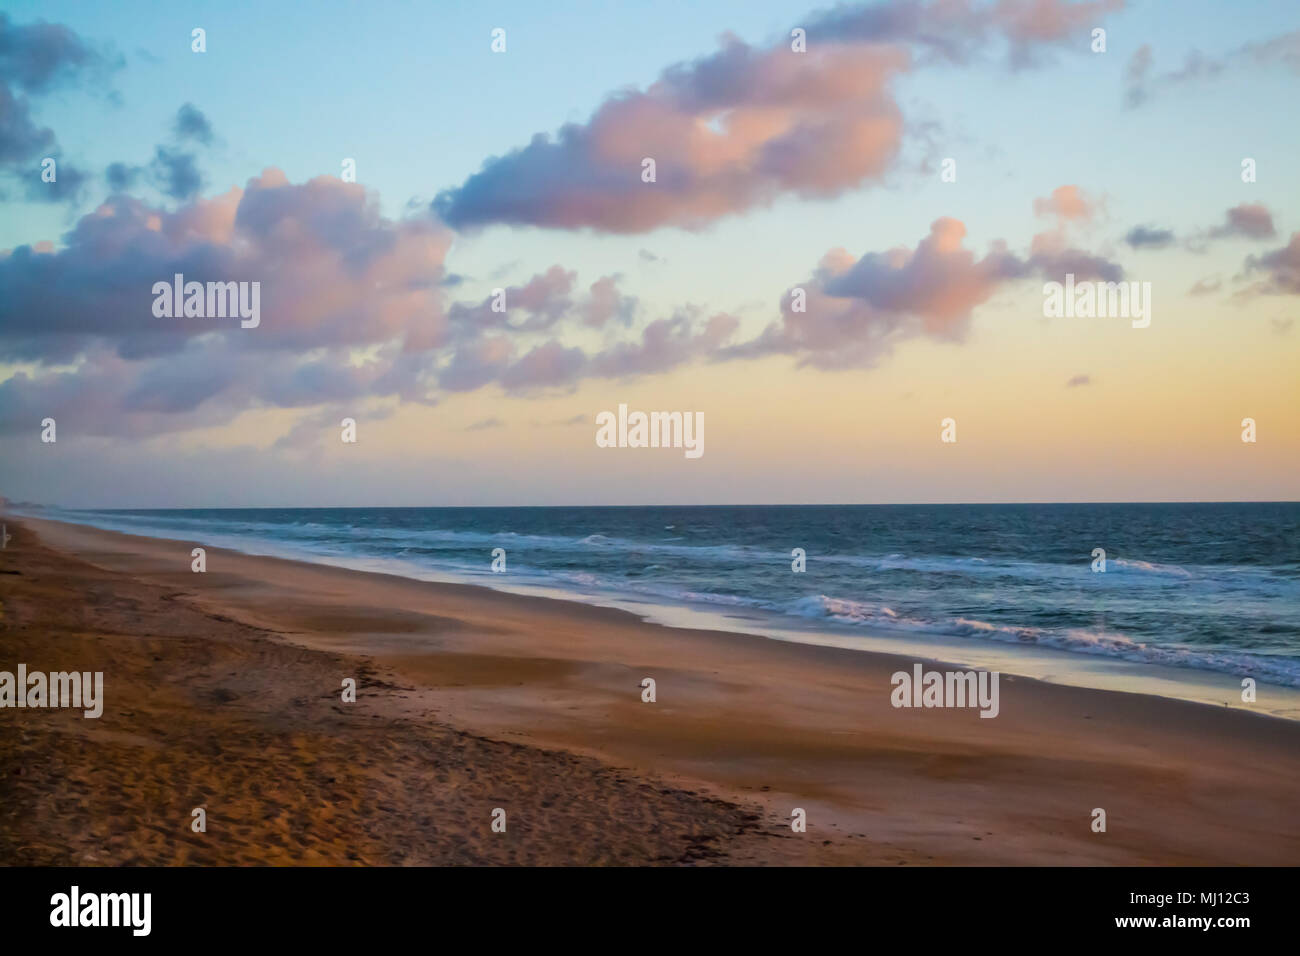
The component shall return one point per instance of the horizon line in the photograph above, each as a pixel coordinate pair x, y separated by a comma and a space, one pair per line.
811, 504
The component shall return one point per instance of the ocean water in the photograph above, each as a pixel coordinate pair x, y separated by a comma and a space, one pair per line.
1209, 587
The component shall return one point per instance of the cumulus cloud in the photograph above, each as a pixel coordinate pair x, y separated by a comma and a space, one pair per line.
1052, 253
102, 395
857, 310
544, 300
605, 302
727, 133
547, 366
510, 362
1280, 268
476, 363
333, 272
334, 275
1247, 221
36, 59
1243, 221
666, 344
739, 128
352, 310
1066, 203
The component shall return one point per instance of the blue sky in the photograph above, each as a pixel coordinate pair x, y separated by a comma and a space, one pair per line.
414, 94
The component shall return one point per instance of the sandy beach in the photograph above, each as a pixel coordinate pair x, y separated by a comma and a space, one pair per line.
222, 691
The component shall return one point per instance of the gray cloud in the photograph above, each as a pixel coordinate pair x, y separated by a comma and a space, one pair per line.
1141, 82
544, 300
960, 31
1248, 221
35, 59
1149, 237
121, 177
547, 366
666, 344
21, 140
190, 123
1281, 269
175, 173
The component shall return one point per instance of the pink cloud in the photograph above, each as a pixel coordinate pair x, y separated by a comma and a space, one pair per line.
739, 128
857, 310
1281, 269
1248, 220
726, 133
1067, 203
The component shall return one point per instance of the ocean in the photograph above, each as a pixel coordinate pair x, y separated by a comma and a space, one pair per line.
1208, 587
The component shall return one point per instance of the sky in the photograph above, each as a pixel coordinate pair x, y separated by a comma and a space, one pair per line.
822, 169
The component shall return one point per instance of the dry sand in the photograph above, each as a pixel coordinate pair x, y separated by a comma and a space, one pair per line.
223, 691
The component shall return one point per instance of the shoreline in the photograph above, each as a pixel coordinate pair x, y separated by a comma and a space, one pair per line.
1046, 663
758, 724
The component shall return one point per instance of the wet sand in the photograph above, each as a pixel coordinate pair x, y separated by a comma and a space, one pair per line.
222, 691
